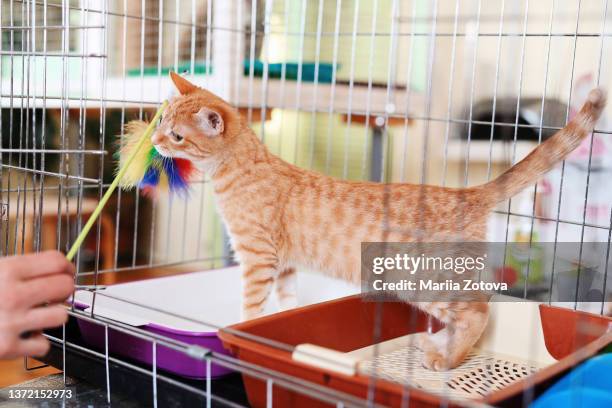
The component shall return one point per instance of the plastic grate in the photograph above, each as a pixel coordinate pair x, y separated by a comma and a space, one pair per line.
480, 374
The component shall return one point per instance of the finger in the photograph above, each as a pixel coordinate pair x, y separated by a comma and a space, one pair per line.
41, 318
36, 345
51, 289
41, 264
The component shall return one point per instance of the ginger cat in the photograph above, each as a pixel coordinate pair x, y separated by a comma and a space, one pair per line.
280, 216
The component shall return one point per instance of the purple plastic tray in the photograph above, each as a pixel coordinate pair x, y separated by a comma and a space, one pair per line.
208, 292
141, 350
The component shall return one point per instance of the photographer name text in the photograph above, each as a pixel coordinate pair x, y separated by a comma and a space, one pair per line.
444, 286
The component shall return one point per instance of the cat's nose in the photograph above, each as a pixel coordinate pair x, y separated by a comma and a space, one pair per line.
157, 138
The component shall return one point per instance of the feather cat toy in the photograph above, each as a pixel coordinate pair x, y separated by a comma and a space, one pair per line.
150, 171
139, 166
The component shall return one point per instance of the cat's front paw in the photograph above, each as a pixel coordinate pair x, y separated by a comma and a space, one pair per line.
286, 302
251, 313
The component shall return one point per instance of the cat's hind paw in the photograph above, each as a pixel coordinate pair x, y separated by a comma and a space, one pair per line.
436, 361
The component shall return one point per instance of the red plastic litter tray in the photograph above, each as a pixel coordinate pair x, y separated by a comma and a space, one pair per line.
511, 358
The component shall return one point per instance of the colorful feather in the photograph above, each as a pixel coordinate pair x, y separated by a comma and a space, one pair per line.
150, 171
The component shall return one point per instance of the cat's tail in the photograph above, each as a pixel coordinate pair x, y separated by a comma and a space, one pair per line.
544, 157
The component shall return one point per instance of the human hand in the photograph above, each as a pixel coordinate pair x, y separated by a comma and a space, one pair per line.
32, 288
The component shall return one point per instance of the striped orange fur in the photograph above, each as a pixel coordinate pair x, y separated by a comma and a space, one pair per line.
281, 217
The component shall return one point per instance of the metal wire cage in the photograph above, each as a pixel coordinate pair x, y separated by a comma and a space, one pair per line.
449, 92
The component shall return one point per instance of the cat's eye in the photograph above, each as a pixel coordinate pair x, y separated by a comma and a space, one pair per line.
176, 136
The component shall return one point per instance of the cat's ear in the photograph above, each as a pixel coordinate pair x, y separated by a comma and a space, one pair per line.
182, 85
209, 122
